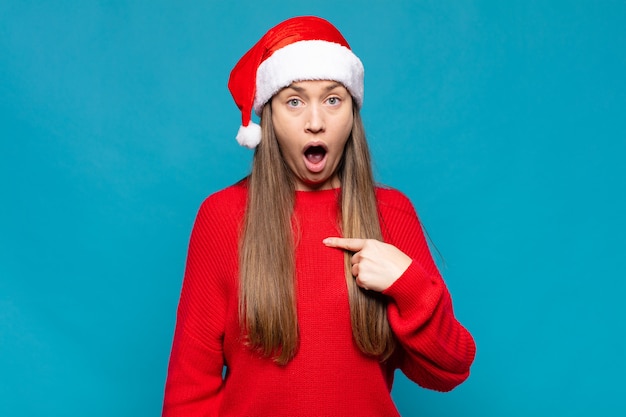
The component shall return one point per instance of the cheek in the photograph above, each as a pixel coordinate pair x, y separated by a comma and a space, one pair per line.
346, 130
285, 128
281, 137
288, 149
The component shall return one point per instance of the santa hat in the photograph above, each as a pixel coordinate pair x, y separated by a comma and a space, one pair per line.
298, 49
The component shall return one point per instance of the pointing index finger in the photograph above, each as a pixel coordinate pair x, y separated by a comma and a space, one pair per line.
351, 244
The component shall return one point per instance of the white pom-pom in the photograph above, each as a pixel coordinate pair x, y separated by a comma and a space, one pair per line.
249, 136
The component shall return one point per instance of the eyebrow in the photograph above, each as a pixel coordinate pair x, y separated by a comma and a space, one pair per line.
327, 88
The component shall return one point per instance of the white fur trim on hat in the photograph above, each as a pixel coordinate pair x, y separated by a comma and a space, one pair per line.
308, 60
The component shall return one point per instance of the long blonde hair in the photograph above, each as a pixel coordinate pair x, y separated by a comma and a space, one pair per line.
267, 300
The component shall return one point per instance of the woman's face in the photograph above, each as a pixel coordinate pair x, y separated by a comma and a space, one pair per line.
312, 121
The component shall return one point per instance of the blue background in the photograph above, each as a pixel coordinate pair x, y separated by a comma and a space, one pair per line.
504, 122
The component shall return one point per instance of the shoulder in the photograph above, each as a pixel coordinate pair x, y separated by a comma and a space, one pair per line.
229, 202
232, 194
399, 222
228, 198
393, 200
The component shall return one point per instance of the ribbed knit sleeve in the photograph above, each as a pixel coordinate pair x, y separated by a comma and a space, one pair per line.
194, 382
436, 351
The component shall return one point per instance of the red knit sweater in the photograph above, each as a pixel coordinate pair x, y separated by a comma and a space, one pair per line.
329, 376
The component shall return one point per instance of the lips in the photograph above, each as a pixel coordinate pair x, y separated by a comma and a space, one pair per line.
315, 157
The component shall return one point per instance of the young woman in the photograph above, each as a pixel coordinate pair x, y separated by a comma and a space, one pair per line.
306, 284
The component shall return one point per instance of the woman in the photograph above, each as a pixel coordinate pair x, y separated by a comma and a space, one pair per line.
306, 285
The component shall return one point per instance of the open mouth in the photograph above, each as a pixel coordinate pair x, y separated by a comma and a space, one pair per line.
315, 153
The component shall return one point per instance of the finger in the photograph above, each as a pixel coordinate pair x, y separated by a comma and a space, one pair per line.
351, 244
361, 283
356, 258
355, 270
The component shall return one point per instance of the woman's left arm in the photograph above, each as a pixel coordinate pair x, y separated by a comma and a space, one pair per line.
436, 351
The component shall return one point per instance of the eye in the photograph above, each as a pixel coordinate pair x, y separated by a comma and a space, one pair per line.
333, 101
294, 102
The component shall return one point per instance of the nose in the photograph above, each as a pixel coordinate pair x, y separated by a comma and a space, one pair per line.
315, 122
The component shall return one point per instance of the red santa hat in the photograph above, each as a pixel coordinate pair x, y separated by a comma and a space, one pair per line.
298, 49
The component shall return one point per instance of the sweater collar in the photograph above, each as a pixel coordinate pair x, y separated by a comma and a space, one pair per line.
318, 197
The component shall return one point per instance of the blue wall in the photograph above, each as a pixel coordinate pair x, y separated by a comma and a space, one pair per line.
505, 122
